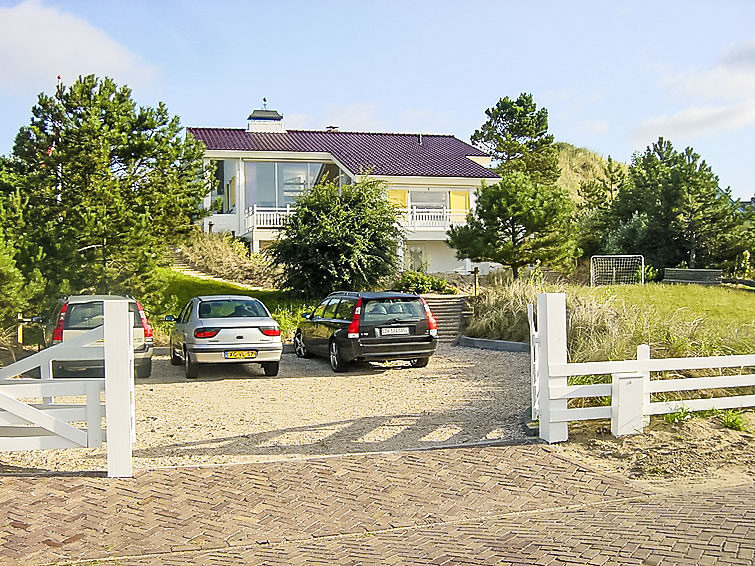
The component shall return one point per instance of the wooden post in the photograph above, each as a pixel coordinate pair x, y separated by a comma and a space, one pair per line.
551, 328
119, 377
643, 354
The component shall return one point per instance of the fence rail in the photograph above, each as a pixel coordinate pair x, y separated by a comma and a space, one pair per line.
631, 386
274, 217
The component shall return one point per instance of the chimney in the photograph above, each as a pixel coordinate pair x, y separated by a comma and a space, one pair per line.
265, 121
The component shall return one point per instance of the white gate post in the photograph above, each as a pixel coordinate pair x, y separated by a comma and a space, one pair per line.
534, 364
643, 354
119, 378
627, 399
551, 330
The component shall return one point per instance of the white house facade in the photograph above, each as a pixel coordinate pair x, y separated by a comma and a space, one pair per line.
263, 168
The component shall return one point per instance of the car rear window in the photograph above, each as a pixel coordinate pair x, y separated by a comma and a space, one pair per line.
86, 316
232, 308
400, 308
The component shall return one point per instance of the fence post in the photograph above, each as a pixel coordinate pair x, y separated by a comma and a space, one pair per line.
551, 329
534, 362
627, 398
94, 415
643, 354
119, 377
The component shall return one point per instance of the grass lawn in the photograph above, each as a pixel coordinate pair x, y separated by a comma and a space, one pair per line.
285, 307
717, 305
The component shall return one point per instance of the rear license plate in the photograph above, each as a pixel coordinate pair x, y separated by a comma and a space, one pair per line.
394, 331
239, 355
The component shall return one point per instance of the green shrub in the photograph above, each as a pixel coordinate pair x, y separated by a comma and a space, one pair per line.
418, 282
680, 415
733, 419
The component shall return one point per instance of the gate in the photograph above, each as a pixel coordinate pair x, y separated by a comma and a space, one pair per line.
40, 423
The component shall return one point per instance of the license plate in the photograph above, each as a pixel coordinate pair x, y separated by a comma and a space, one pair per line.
240, 355
394, 331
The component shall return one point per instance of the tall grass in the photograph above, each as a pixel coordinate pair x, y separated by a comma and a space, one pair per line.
226, 257
607, 323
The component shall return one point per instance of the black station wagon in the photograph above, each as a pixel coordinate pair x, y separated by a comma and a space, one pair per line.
375, 326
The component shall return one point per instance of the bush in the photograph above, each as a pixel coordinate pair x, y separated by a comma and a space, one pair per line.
226, 257
418, 282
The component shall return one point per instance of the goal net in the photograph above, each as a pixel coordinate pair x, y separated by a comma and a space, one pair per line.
617, 269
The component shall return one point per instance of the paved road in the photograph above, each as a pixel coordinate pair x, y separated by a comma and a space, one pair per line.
495, 505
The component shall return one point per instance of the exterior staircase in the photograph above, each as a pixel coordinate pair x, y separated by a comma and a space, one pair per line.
451, 312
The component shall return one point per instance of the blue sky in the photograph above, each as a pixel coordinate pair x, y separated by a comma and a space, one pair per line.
613, 75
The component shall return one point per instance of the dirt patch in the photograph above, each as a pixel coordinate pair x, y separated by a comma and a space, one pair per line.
696, 448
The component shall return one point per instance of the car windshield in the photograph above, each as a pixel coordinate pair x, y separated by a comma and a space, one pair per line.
398, 308
231, 308
86, 316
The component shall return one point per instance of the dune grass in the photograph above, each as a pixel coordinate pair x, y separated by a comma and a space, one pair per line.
607, 323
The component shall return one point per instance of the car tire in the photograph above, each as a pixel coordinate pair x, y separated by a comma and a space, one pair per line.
143, 370
336, 360
190, 366
271, 368
419, 362
300, 349
175, 359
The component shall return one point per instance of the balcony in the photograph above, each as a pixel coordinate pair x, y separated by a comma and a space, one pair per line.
440, 219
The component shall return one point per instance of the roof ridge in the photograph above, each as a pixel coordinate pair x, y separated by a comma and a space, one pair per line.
361, 132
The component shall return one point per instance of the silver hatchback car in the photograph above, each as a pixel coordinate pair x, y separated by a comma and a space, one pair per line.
221, 329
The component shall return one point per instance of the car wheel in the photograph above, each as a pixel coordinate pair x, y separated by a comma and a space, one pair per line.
143, 370
190, 366
419, 362
336, 361
175, 359
299, 348
271, 368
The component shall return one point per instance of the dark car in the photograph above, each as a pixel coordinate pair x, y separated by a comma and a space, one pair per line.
370, 326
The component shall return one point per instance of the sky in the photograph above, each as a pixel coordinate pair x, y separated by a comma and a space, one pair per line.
614, 75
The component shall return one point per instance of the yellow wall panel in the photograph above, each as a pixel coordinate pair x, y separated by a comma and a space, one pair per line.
399, 197
459, 200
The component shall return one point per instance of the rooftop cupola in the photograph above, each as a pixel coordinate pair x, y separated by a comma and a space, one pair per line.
265, 121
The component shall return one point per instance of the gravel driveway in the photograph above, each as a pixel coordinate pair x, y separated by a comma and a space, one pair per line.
236, 414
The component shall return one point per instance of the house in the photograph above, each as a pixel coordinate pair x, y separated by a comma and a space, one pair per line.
262, 168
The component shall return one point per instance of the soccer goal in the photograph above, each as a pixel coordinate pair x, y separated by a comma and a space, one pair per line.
617, 269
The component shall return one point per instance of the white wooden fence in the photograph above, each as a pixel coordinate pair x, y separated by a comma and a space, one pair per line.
631, 385
35, 425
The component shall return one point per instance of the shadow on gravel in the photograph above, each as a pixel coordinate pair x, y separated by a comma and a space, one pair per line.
354, 436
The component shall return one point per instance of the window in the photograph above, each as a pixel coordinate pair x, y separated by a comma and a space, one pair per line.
184, 316
345, 309
232, 308
429, 199
320, 309
330, 310
277, 184
86, 316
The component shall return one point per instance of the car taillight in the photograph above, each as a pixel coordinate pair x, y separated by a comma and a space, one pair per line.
206, 332
432, 324
353, 330
270, 330
145, 324
57, 334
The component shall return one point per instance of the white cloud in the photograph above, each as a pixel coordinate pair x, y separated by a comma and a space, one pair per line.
697, 121
39, 42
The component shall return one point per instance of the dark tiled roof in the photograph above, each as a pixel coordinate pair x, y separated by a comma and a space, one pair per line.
383, 154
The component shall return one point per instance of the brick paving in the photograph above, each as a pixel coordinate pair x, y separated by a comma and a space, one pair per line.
494, 505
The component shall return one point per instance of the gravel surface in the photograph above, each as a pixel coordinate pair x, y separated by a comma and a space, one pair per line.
236, 414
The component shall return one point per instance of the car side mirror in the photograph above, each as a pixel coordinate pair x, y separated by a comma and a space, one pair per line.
170, 318
306, 315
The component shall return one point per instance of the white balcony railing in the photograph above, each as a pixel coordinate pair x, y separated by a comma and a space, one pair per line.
273, 217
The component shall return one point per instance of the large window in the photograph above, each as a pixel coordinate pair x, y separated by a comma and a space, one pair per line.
278, 184
428, 199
